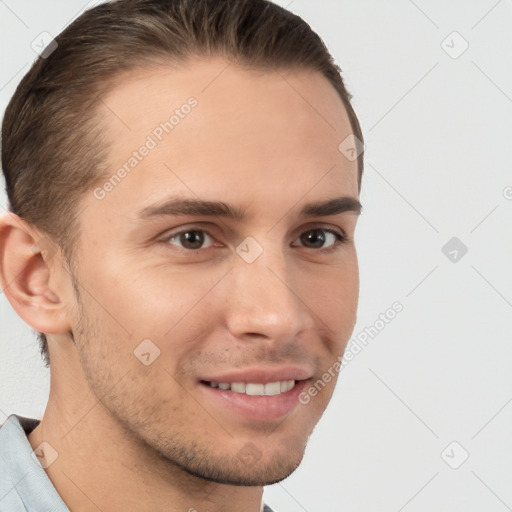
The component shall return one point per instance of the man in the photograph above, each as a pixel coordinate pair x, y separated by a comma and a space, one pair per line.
183, 180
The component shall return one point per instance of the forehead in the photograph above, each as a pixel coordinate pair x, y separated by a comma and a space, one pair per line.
212, 128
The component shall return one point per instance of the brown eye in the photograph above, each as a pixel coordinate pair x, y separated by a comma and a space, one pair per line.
192, 239
316, 238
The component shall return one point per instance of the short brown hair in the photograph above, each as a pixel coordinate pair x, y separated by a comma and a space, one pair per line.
52, 150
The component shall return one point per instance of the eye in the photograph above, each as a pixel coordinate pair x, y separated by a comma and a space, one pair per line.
190, 239
317, 238
193, 239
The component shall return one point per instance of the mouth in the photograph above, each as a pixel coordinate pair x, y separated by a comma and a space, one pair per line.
254, 388
256, 396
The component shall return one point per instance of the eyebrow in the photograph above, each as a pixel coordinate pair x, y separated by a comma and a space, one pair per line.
181, 206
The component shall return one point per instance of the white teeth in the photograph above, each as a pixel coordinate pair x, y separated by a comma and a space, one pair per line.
238, 387
272, 388
256, 389
286, 385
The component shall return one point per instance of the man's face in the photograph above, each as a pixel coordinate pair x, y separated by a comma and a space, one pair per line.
220, 307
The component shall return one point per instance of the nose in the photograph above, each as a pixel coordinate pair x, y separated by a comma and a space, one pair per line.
264, 302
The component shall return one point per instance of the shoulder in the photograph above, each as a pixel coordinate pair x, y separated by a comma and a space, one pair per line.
12, 439
24, 485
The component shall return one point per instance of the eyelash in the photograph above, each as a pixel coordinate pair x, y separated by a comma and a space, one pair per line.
341, 238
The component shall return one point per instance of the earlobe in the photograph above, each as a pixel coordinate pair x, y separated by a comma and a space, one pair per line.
27, 261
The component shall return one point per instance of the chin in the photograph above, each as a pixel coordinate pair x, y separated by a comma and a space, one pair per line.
238, 473
247, 466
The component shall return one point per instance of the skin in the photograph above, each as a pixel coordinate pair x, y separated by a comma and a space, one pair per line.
136, 437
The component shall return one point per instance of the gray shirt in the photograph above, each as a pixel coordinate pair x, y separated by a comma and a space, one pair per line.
24, 484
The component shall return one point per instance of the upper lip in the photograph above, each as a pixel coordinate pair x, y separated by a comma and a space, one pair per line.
262, 375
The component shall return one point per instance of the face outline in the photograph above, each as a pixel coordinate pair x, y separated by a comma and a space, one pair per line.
253, 142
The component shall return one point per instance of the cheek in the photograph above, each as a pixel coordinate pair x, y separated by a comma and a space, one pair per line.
145, 297
333, 295
170, 307
142, 361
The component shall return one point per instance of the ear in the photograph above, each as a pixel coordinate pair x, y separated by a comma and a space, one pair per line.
28, 264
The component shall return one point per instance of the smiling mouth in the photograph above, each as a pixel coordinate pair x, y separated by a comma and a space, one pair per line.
254, 388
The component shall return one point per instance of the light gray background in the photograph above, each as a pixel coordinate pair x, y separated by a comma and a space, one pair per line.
438, 163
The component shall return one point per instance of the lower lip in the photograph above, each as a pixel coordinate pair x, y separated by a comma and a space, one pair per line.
255, 408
